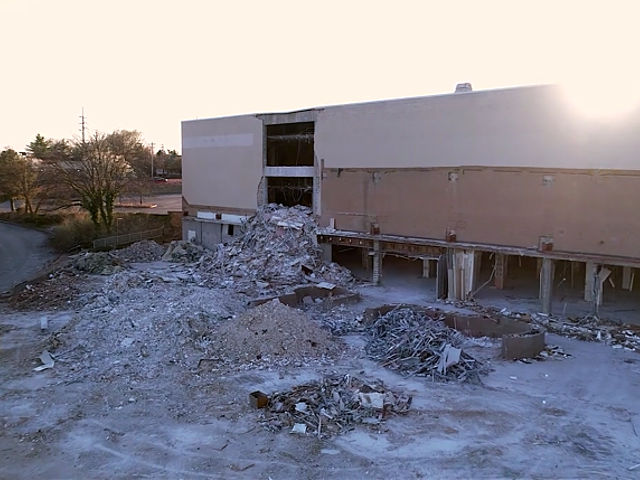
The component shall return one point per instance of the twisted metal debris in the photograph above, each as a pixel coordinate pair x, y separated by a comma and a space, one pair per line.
414, 344
333, 405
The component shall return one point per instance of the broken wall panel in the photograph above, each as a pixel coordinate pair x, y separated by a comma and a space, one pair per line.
583, 211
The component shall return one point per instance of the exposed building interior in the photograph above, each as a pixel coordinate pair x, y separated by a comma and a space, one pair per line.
289, 145
290, 191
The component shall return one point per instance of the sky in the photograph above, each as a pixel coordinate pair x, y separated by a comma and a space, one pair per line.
148, 65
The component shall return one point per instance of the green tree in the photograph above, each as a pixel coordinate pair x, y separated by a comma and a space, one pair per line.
40, 147
22, 178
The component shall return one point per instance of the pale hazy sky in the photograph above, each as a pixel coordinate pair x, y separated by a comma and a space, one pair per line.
147, 65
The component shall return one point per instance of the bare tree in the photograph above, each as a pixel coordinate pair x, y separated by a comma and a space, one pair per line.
97, 175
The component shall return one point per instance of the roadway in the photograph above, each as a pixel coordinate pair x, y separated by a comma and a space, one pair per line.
23, 252
163, 203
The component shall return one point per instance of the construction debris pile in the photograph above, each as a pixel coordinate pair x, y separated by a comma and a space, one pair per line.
272, 334
276, 251
137, 326
591, 329
98, 263
339, 320
58, 292
333, 406
415, 344
180, 251
141, 252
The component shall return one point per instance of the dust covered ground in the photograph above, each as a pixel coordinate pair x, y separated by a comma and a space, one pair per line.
153, 368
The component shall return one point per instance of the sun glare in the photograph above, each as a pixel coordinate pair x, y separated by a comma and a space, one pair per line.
603, 99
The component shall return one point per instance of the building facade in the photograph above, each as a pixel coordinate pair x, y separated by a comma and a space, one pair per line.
512, 173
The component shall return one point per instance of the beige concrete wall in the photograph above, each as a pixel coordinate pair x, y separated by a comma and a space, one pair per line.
222, 161
520, 127
585, 211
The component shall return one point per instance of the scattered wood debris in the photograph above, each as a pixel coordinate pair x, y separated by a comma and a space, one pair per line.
333, 406
415, 344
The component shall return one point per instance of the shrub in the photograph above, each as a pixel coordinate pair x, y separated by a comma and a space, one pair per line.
74, 231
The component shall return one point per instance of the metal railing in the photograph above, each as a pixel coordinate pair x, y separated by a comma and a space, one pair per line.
127, 238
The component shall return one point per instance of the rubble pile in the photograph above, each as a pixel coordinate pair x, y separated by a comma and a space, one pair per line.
276, 251
333, 406
590, 329
272, 334
414, 344
58, 292
141, 252
138, 326
180, 251
98, 263
339, 320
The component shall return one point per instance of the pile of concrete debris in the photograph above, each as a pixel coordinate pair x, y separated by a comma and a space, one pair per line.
415, 344
141, 252
98, 263
271, 334
277, 250
333, 405
136, 325
180, 251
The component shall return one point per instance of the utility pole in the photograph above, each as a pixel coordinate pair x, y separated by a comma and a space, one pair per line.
82, 123
152, 155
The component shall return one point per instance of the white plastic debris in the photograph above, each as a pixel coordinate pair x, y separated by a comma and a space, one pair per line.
301, 407
372, 399
47, 361
299, 428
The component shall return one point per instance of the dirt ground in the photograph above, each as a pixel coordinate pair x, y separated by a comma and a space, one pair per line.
116, 406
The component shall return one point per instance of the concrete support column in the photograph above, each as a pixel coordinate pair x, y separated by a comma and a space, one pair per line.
425, 268
429, 268
626, 278
501, 271
602, 276
538, 267
590, 281
441, 277
462, 274
327, 252
546, 284
377, 263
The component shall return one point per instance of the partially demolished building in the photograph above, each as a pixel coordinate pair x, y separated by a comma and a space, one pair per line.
480, 187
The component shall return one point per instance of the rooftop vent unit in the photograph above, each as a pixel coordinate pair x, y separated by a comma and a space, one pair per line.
463, 88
